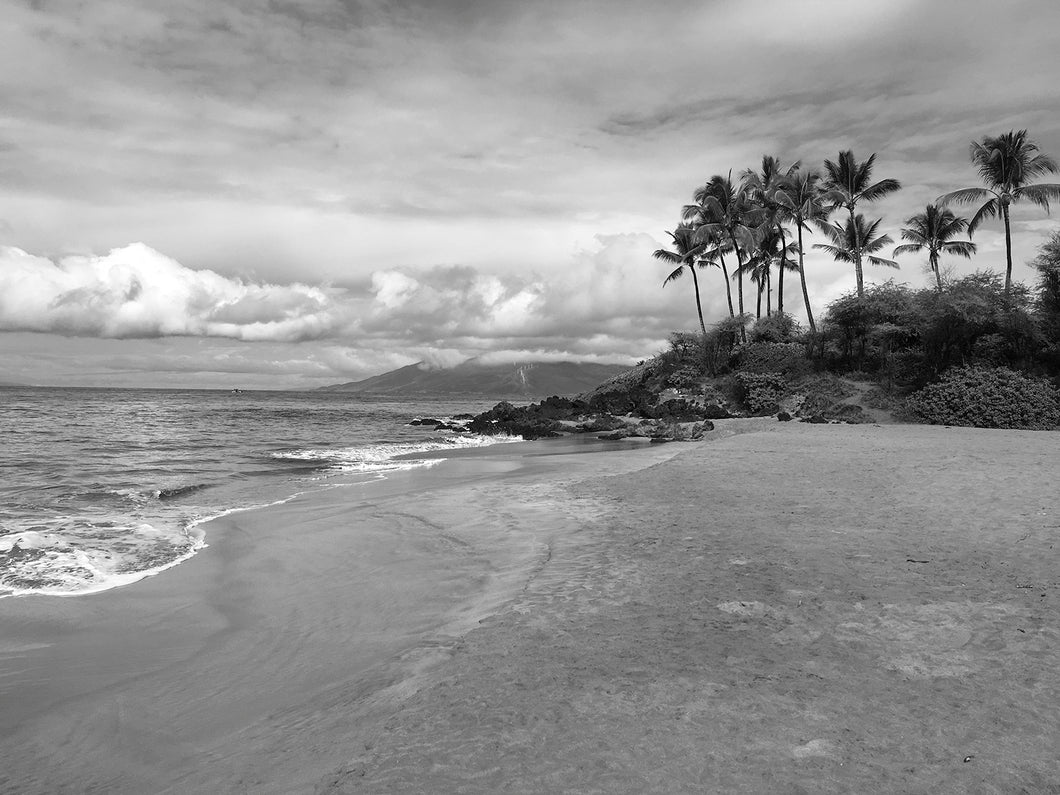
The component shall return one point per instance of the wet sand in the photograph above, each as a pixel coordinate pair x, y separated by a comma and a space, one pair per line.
258, 663
795, 608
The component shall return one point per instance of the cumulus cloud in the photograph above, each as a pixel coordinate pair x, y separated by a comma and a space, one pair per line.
136, 292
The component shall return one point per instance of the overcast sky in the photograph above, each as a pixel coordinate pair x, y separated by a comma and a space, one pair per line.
290, 193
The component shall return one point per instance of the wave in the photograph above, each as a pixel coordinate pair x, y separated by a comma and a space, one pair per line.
388, 456
73, 558
108, 543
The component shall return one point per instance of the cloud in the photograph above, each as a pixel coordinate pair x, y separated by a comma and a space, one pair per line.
136, 292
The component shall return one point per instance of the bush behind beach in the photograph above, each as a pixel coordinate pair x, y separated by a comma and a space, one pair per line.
988, 397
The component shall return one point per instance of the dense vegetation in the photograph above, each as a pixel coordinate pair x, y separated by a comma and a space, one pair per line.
979, 350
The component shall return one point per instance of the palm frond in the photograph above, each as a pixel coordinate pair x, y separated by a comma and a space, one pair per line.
1041, 164
667, 256
674, 276
962, 248
840, 255
907, 248
965, 196
883, 263
991, 209
880, 189
1039, 194
870, 246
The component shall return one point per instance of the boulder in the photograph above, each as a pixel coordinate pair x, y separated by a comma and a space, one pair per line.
601, 422
715, 411
504, 418
783, 416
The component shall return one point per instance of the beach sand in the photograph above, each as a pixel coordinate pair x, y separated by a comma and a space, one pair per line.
788, 608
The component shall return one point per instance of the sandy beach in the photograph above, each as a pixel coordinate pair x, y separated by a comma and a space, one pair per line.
787, 608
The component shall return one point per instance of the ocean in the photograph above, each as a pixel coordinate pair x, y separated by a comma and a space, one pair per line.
102, 487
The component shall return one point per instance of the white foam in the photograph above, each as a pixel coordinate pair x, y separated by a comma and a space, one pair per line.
89, 557
393, 456
73, 564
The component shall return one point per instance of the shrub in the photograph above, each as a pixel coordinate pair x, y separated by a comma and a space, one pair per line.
774, 328
773, 357
986, 397
761, 392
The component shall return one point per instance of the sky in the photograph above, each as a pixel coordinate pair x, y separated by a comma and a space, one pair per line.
293, 193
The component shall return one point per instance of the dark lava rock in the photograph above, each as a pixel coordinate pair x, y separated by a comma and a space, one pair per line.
783, 416
426, 421
634, 400
816, 419
525, 421
603, 422
714, 411
615, 436
677, 410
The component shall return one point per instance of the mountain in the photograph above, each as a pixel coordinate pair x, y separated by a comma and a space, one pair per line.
472, 378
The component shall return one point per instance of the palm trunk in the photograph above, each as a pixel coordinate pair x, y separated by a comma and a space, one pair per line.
699, 305
758, 307
783, 266
934, 260
805, 292
1008, 251
739, 269
859, 273
728, 287
769, 294
739, 281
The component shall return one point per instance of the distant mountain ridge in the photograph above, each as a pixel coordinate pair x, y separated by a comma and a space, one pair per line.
472, 378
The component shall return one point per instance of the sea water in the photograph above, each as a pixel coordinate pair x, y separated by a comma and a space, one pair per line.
102, 487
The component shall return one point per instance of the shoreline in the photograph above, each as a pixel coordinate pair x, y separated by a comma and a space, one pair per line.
800, 607
204, 668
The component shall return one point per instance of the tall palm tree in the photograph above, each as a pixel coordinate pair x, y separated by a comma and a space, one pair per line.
1006, 164
723, 211
848, 183
763, 187
856, 238
934, 230
800, 197
686, 255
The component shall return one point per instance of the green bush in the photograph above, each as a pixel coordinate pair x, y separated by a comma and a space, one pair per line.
773, 357
988, 397
775, 328
761, 392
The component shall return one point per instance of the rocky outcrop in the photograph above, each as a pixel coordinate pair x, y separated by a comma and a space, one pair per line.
615, 414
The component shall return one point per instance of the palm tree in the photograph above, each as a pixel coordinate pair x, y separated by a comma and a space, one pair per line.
715, 247
771, 250
847, 183
933, 230
686, 255
763, 189
856, 238
724, 212
800, 197
1006, 163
